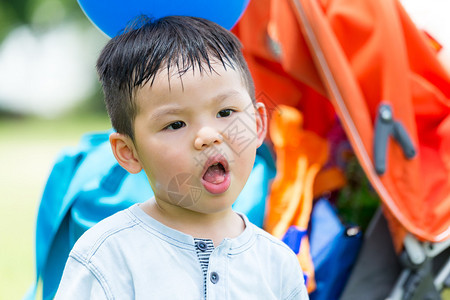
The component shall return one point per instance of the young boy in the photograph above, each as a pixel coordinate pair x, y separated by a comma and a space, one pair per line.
181, 99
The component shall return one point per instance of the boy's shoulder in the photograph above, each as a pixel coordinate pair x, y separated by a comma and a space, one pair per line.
266, 243
107, 228
265, 236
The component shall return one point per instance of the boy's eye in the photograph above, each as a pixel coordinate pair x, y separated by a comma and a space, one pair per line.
225, 113
175, 125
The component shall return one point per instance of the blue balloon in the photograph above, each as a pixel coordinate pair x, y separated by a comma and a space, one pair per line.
112, 16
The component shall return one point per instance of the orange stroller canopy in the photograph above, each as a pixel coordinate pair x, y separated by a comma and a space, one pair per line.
384, 81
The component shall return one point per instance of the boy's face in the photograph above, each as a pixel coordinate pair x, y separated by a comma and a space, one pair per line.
196, 138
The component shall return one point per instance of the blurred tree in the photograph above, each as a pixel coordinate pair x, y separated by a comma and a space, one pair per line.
39, 14
12, 14
35, 23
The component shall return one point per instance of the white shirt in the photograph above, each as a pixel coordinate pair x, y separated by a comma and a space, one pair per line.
132, 256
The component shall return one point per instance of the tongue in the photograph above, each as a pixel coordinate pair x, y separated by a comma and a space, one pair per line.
214, 174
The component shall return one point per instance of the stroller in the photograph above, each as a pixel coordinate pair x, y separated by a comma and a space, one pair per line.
367, 63
360, 66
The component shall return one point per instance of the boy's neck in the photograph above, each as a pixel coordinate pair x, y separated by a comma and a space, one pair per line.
217, 227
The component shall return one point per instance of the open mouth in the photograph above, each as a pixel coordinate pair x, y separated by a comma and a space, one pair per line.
215, 173
216, 177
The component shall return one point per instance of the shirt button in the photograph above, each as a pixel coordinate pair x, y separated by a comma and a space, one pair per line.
214, 277
202, 246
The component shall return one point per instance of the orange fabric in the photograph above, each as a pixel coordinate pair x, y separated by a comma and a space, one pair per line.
305, 260
358, 54
352, 36
300, 156
328, 180
273, 84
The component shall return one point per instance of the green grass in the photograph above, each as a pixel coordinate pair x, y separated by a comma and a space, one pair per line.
28, 148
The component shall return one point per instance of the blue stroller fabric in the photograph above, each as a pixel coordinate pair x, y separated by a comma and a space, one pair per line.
334, 248
87, 185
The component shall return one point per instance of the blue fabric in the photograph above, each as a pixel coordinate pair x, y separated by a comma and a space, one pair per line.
293, 238
333, 251
87, 184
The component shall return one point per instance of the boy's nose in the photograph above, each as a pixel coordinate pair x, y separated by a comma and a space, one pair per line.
206, 137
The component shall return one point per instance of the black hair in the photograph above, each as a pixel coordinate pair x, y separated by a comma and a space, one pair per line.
136, 56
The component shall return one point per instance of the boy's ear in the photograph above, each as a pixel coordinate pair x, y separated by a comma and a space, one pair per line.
261, 122
125, 152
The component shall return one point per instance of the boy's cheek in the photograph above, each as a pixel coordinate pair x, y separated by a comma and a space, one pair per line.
240, 136
179, 188
184, 189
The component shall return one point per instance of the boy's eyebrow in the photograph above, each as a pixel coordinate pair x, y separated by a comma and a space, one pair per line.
166, 111
222, 97
175, 110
